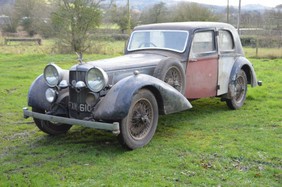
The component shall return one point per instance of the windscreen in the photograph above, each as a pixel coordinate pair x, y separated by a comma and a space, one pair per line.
158, 39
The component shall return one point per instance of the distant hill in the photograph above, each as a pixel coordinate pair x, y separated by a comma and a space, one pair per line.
140, 5
246, 8
6, 2
143, 4
255, 7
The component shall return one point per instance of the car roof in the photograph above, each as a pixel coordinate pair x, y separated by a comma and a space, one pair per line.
185, 26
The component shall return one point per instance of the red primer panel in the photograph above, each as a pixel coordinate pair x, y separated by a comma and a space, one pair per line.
201, 78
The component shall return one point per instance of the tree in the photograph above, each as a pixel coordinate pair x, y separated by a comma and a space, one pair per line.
73, 21
119, 16
156, 14
24, 14
32, 15
251, 19
185, 11
273, 18
7, 23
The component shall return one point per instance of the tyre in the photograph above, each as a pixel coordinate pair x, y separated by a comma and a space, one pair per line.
139, 126
49, 127
239, 97
171, 72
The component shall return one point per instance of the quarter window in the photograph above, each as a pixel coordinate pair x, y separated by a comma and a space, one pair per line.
226, 42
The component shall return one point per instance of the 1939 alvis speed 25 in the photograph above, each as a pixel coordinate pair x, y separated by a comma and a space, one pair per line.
164, 66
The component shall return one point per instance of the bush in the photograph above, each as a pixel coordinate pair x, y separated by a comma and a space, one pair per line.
263, 41
248, 41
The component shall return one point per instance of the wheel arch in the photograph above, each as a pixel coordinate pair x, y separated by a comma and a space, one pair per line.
248, 72
115, 105
36, 94
37, 99
158, 97
247, 67
163, 67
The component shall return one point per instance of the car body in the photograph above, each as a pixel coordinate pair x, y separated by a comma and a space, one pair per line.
163, 67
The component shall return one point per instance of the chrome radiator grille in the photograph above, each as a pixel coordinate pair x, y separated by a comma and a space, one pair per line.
77, 106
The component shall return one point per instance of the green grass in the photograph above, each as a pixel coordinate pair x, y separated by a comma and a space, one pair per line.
109, 47
208, 145
270, 53
49, 46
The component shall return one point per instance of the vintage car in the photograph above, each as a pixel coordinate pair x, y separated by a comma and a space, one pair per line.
163, 67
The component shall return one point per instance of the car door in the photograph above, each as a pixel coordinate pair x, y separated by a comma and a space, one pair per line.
227, 55
202, 68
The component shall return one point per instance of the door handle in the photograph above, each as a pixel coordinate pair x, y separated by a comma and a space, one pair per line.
193, 60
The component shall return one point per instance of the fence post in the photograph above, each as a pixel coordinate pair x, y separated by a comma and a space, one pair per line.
257, 45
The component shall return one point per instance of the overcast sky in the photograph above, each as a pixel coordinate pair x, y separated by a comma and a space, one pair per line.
268, 3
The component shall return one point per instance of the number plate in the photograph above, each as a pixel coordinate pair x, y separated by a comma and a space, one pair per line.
80, 107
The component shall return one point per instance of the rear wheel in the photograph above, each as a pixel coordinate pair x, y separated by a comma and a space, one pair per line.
49, 127
139, 126
240, 89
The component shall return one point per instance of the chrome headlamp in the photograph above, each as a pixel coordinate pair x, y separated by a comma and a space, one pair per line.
96, 79
52, 75
51, 95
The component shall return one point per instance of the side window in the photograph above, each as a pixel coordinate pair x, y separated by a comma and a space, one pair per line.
226, 42
203, 42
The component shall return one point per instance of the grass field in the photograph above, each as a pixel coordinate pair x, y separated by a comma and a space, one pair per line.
109, 47
270, 53
208, 145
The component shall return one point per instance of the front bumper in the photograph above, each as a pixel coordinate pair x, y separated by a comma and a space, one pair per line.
114, 127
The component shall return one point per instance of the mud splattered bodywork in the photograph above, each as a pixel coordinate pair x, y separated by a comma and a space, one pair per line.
164, 66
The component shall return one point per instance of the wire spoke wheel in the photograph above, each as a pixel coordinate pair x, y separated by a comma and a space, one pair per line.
240, 88
173, 78
171, 72
141, 119
240, 91
139, 126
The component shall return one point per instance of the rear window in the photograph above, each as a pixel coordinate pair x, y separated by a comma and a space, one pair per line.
226, 42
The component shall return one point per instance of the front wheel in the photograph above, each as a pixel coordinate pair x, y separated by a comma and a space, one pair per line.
240, 91
49, 127
139, 126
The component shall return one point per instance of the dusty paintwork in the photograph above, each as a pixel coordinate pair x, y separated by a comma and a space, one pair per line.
164, 66
225, 65
116, 103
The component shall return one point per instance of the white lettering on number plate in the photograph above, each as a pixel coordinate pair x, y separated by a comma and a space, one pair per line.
80, 107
